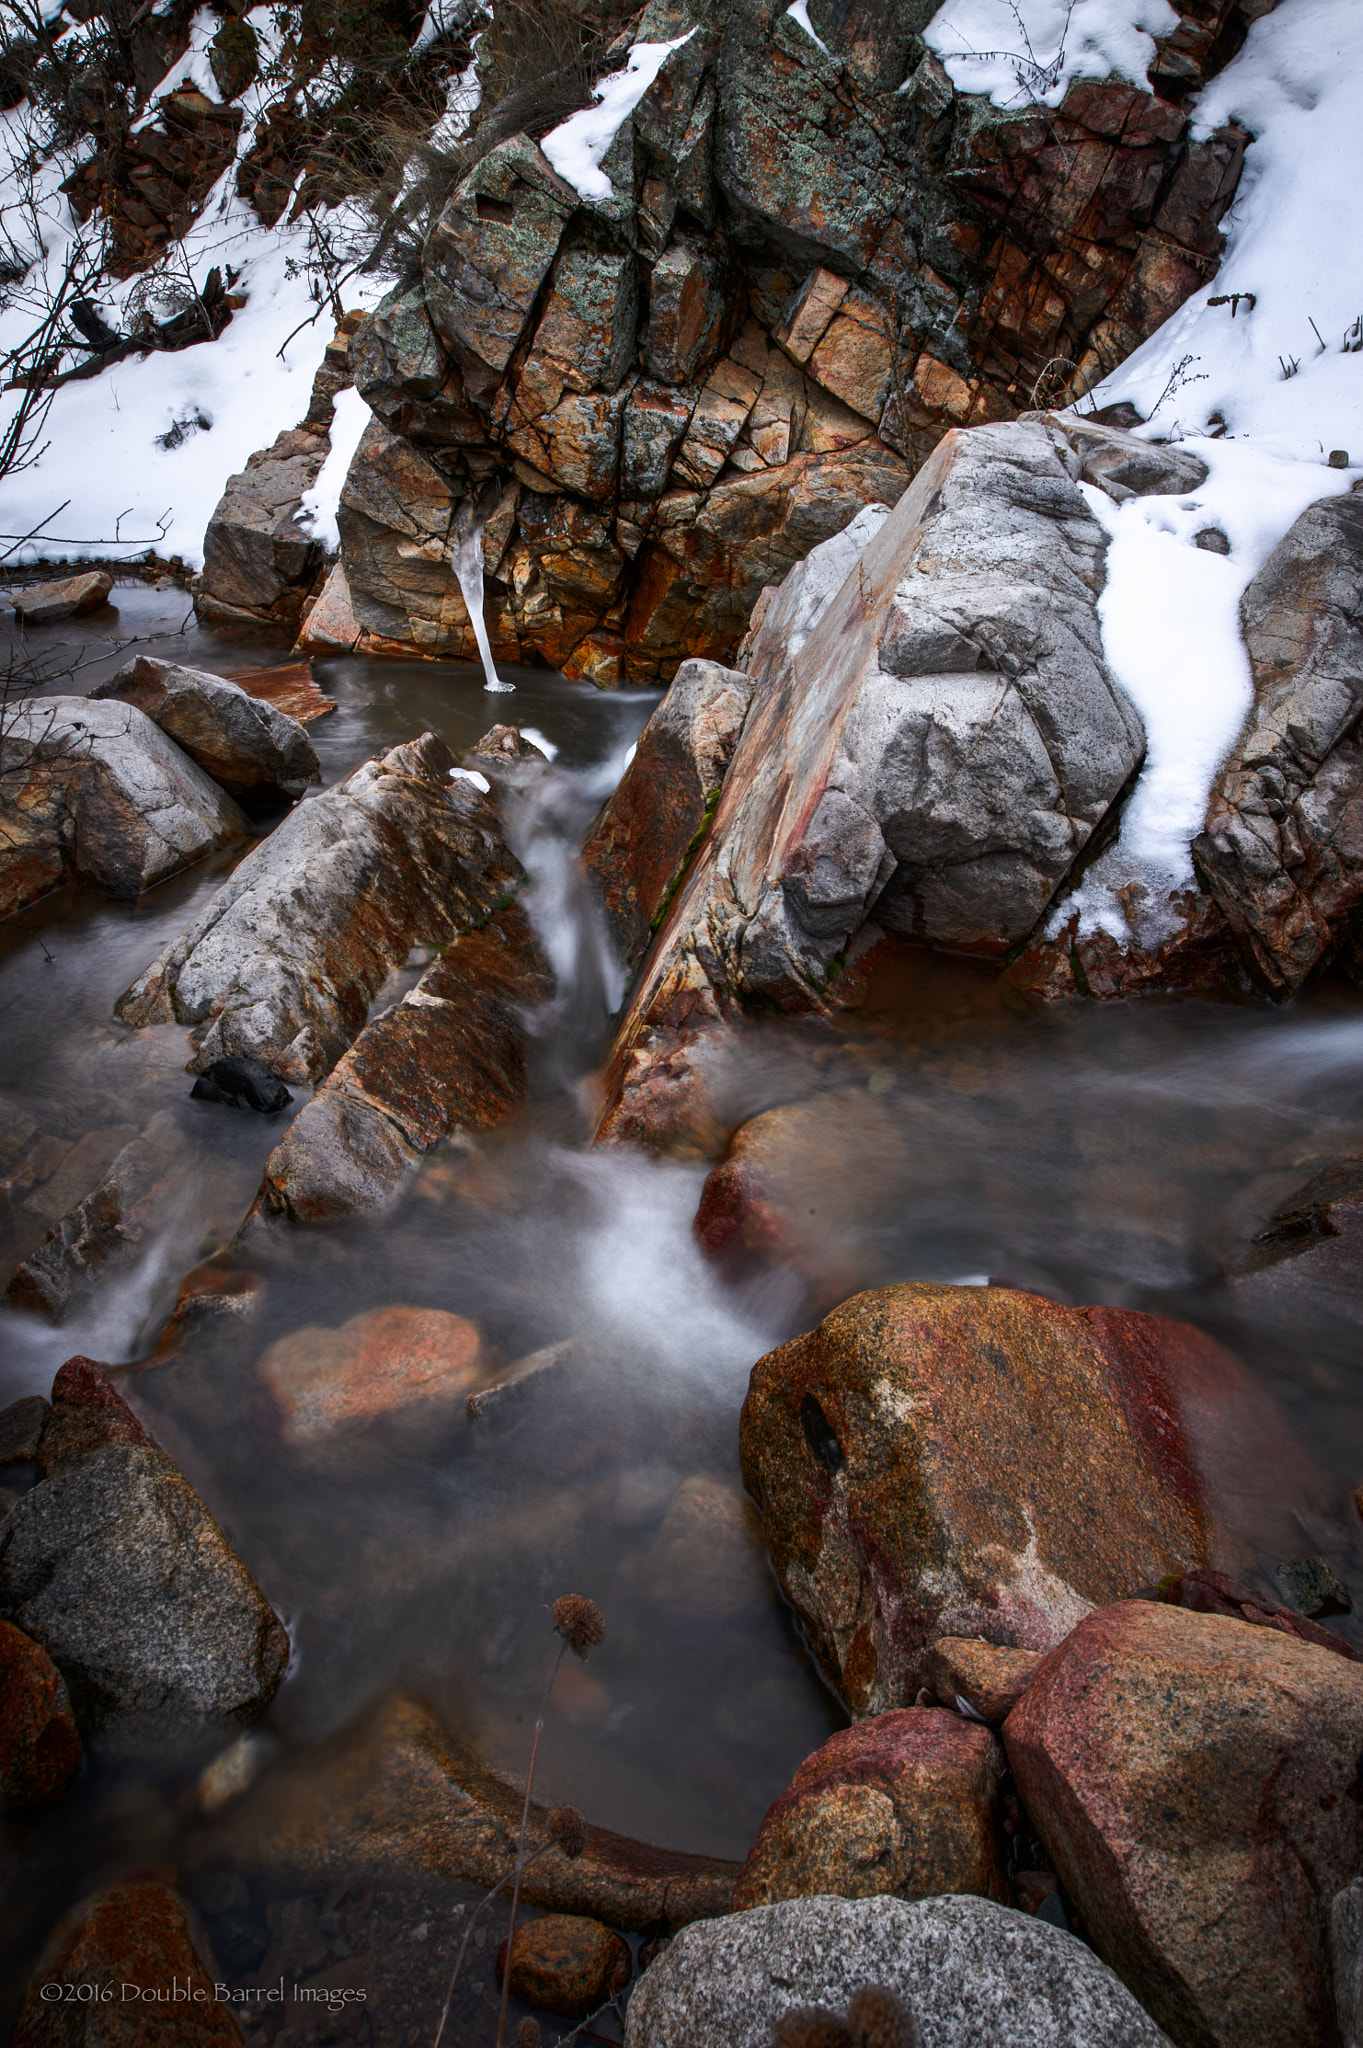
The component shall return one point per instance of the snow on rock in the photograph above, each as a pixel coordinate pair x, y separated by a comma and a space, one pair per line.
575, 148
1029, 51
321, 503
799, 11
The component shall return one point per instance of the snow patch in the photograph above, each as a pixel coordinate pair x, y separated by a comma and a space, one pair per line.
799, 11
1028, 52
471, 775
322, 503
575, 148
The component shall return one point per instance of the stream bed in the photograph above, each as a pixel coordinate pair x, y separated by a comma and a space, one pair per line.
1123, 1155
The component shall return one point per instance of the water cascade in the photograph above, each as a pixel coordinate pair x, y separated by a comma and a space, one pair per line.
468, 567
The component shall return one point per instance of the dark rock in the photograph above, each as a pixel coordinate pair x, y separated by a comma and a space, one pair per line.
405, 377
895, 1515
40, 1747
248, 747
1212, 540
449, 1057
283, 962
906, 1802
43, 604
636, 853
21, 1428
567, 1965
103, 799
132, 1935
242, 1084
1193, 1781
969, 1971
1205, 1592
88, 1414
105, 1233
1309, 1260
1314, 1587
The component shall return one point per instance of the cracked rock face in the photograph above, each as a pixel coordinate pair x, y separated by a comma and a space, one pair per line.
895, 1515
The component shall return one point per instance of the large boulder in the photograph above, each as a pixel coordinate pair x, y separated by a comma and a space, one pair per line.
258, 558
450, 1057
963, 1461
637, 850
132, 1947
95, 794
906, 1802
113, 1564
931, 757
282, 963
969, 1971
1282, 850
248, 747
1195, 1782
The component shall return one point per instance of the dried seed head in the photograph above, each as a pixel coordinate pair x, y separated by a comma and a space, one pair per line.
811, 2026
529, 2034
580, 1621
876, 2018
569, 1829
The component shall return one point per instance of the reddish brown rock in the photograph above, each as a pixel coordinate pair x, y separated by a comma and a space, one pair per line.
566, 1964
88, 1414
40, 1748
449, 1057
987, 1676
1196, 1785
43, 604
974, 1462
387, 1361
638, 848
1204, 1592
132, 1946
398, 1799
905, 1802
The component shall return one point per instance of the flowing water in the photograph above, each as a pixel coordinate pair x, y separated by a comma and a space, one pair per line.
1120, 1155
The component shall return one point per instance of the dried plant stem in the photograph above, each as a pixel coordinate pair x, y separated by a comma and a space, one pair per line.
520, 1848
474, 1916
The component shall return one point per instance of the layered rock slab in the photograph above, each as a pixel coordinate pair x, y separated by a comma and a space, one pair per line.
95, 794
250, 748
969, 1971
931, 756
905, 1803
449, 1057
942, 1461
1196, 1784
284, 961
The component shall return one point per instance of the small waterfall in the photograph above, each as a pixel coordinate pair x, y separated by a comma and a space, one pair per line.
468, 567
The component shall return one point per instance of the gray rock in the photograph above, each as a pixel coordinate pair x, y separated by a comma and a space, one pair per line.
258, 559
284, 961
1346, 1961
21, 1428
1126, 467
405, 377
106, 1231
101, 796
117, 1568
248, 747
971, 1972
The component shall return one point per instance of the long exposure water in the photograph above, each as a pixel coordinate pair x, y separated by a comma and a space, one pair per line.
1121, 1155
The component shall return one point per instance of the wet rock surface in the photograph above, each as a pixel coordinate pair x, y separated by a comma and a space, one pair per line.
969, 1971
40, 1746
248, 747
1310, 1256
913, 1483
905, 1803
94, 794
114, 1566
107, 1231
282, 964
566, 1964
138, 1934
386, 1361
44, 604
1193, 1780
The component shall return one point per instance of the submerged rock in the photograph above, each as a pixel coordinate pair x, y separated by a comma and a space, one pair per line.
449, 1057
96, 795
1195, 1782
906, 1802
385, 1362
975, 1462
283, 962
40, 1747
395, 1798
1309, 1260
128, 1944
248, 747
969, 1971
566, 1964
107, 1231
114, 1565
243, 1084
44, 604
